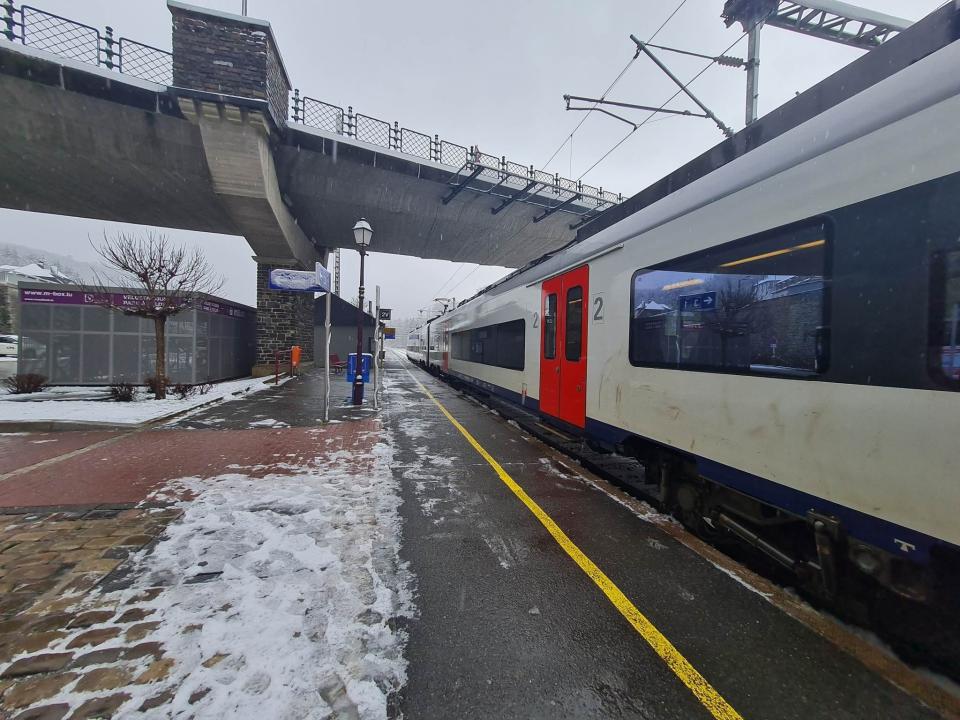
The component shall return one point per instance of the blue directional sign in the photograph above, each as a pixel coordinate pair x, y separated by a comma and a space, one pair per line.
701, 301
295, 281
323, 278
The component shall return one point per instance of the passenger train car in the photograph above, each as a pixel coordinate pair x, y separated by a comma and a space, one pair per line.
778, 341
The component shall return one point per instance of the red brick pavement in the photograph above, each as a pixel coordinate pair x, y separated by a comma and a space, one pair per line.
128, 470
19, 450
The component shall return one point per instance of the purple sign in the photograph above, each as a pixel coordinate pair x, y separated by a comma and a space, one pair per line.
54, 296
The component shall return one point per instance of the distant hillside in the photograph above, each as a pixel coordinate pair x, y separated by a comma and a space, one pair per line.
13, 254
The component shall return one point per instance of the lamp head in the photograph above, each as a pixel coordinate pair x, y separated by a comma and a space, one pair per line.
362, 232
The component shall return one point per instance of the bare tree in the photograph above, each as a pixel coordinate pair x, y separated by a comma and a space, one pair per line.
166, 279
734, 315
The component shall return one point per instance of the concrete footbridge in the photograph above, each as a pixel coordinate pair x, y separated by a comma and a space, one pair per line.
212, 137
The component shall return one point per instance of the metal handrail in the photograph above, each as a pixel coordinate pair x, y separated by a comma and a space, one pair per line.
35, 27
63, 36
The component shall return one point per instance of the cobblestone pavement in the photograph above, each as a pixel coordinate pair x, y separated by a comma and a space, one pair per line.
50, 566
80, 631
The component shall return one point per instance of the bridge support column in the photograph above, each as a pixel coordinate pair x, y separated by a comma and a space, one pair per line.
283, 319
226, 56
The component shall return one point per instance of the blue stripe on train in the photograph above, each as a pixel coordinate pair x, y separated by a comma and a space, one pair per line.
896, 539
516, 398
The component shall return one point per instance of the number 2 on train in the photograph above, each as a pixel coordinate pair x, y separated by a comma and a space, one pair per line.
597, 307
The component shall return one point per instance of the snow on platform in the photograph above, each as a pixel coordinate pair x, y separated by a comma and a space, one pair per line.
93, 404
281, 593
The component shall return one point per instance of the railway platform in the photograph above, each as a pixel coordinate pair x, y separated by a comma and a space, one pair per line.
514, 622
534, 588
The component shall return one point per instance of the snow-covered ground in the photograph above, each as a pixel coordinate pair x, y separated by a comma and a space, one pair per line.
93, 404
281, 593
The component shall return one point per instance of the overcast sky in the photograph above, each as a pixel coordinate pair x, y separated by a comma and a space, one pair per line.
489, 73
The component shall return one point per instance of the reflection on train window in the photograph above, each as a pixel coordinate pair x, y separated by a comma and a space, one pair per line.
757, 305
574, 320
550, 327
501, 345
945, 330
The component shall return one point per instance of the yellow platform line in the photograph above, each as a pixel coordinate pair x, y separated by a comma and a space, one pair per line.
681, 667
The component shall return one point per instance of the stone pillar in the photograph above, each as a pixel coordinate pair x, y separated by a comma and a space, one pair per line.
233, 56
228, 54
283, 319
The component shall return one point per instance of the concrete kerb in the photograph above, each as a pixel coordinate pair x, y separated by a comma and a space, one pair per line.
76, 425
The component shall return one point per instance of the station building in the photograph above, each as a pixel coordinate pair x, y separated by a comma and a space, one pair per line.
71, 340
343, 329
10, 278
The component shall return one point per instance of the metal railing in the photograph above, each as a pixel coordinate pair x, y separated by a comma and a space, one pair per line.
494, 170
37, 28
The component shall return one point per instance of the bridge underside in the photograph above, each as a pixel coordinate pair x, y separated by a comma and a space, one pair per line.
82, 141
74, 142
330, 183
74, 152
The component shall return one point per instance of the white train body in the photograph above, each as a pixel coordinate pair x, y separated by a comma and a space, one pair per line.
856, 435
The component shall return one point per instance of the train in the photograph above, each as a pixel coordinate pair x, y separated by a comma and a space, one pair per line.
777, 342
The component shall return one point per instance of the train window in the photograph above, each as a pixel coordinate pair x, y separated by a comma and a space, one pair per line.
550, 327
500, 345
944, 352
574, 319
755, 305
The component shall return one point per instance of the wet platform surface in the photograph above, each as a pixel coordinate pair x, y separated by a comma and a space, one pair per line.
507, 624
510, 627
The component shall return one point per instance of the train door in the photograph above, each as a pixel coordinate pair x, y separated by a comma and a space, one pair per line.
563, 346
426, 350
445, 348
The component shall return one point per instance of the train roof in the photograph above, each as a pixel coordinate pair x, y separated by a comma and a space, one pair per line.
840, 108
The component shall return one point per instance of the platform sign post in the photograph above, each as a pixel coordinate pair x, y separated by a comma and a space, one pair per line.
323, 278
376, 352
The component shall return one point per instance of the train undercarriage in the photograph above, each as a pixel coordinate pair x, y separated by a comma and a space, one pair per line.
913, 607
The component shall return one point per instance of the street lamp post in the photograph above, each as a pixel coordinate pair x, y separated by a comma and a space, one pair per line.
362, 232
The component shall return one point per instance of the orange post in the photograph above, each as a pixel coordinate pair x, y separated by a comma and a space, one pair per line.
294, 359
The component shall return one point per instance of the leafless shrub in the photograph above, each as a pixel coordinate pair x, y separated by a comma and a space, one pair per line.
183, 390
25, 383
123, 391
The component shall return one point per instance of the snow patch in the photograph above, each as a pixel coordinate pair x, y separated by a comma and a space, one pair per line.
735, 576
281, 593
268, 422
84, 404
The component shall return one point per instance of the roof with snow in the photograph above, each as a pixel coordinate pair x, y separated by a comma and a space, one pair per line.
34, 271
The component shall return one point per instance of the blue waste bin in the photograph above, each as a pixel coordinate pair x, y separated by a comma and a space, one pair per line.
352, 367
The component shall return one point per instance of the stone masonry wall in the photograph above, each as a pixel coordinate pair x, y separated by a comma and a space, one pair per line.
230, 57
278, 87
283, 319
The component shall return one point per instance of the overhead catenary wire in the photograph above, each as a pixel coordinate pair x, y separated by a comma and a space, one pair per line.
647, 119
569, 138
612, 85
452, 275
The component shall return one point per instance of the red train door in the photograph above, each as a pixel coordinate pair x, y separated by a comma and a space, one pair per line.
549, 346
563, 346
